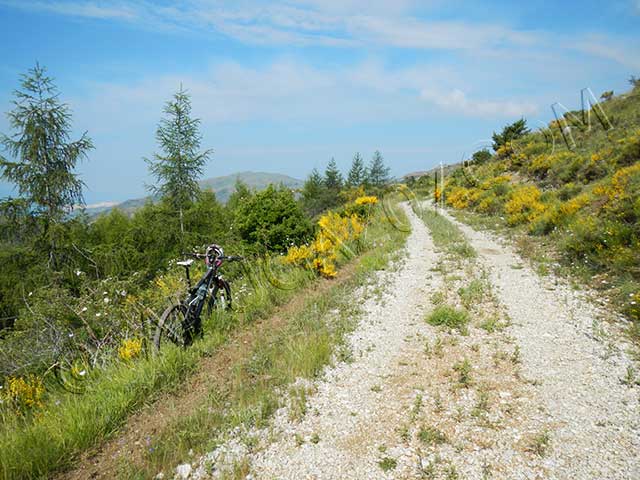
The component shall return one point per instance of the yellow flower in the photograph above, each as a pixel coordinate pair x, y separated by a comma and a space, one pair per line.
524, 205
130, 349
367, 200
572, 206
298, 255
24, 393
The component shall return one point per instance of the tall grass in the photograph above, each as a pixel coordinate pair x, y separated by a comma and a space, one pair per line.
446, 235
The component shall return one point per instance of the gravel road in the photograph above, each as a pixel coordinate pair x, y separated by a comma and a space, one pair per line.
556, 370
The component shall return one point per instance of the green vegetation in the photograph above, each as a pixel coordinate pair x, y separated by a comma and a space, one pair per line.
83, 294
447, 236
431, 436
388, 463
464, 372
580, 196
512, 132
322, 192
450, 317
179, 169
540, 443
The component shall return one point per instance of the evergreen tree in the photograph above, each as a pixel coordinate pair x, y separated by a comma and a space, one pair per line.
509, 133
44, 155
180, 166
378, 173
357, 173
332, 177
313, 193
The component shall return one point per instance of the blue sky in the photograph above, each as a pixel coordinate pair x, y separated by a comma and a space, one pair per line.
283, 86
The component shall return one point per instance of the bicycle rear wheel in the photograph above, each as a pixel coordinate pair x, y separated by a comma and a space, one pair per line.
171, 327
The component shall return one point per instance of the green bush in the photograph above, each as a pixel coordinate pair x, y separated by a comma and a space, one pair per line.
272, 220
447, 316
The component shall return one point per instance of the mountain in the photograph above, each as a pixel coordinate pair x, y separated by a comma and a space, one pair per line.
222, 186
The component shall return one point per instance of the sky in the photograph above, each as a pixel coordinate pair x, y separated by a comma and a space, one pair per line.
284, 86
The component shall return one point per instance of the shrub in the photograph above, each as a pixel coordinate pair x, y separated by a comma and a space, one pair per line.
273, 219
445, 315
524, 205
130, 349
334, 233
459, 197
630, 151
23, 394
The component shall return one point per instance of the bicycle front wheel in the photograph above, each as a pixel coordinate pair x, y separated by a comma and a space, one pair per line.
171, 327
219, 298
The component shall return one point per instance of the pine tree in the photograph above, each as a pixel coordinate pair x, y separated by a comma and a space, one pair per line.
177, 171
332, 177
378, 173
44, 155
509, 133
314, 193
357, 173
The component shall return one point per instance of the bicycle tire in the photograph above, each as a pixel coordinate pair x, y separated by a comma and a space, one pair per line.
171, 326
219, 298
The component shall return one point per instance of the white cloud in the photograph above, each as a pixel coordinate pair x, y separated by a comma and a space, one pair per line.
610, 49
104, 10
457, 101
301, 22
291, 91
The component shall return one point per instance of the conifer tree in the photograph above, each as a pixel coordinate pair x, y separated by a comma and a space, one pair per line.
43, 155
357, 173
378, 173
332, 177
181, 164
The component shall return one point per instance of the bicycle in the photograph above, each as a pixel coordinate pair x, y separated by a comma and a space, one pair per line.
181, 323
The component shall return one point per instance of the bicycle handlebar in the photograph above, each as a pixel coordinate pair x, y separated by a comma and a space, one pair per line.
230, 258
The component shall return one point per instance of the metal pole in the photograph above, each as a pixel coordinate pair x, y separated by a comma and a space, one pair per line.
441, 185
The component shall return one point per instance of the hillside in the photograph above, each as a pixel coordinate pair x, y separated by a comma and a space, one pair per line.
222, 186
579, 203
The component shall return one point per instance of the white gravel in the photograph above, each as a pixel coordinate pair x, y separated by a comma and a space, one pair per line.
577, 363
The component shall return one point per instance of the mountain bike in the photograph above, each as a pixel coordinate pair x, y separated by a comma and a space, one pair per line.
180, 323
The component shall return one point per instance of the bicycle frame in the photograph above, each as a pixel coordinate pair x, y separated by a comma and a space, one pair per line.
193, 303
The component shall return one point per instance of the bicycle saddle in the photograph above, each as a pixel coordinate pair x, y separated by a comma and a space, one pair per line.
185, 263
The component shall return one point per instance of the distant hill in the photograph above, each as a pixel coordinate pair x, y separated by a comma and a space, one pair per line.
222, 186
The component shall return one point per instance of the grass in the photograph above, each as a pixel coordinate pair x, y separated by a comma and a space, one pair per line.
447, 236
65, 428
450, 317
388, 463
540, 443
474, 293
464, 372
431, 436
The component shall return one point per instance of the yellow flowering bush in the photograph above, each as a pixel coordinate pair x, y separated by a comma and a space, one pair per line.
505, 150
459, 197
495, 181
524, 205
23, 393
130, 349
298, 255
335, 231
572, 206
367, 200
